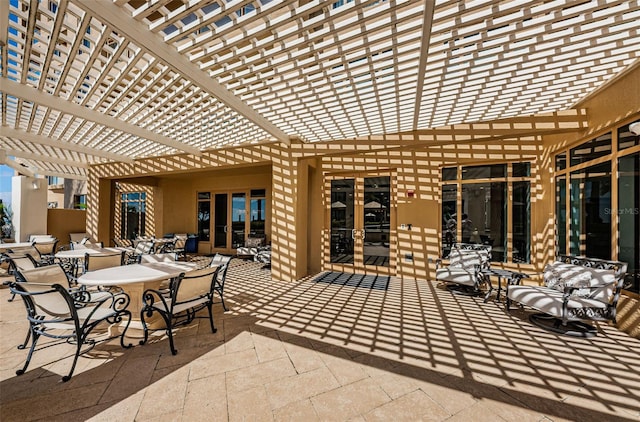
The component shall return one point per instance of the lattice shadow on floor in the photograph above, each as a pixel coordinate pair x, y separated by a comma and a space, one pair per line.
354, 280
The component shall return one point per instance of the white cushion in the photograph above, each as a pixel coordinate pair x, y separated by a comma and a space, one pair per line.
467, 258
456, 275
549, 300
557, 275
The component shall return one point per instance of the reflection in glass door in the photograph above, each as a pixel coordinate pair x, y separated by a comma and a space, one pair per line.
238, 215
377, 201
342, 222
360, 224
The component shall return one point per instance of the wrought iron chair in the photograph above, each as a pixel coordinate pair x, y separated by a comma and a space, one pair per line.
466, 273
18, 262
31, 251
143, 247
575, 290
222, 262
54, 312
93, 262
47, 249
187, 294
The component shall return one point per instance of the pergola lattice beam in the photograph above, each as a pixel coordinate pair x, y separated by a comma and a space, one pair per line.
58, 143
154, 45
4, 159
46, 158
28, 93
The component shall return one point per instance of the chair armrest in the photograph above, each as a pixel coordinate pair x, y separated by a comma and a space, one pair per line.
117, 302
151, 296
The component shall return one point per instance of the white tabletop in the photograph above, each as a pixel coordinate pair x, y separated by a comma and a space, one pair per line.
79, 253
135, 273
6, 246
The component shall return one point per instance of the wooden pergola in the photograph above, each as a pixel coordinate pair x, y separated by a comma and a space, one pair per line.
86, 82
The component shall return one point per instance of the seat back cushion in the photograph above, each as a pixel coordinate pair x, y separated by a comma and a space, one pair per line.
468, 258
557, 275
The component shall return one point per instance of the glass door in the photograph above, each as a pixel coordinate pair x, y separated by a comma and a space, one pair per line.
360, 221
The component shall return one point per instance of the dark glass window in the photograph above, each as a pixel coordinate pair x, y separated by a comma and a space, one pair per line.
204, 216
449, 221
561, 161
629, 218
133, 214
521, 212
591, 211
484, 216
258, 193
449, 173
561, 214
595, 148
484, 172
521, 169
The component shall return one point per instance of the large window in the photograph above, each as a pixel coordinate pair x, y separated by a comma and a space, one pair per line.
204, 215
598, 200
133, 207
590, 229
258, 212
629, 218
477, 208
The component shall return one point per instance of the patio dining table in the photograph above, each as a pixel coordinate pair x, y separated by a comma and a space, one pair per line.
134, 279
4, 247
75, 255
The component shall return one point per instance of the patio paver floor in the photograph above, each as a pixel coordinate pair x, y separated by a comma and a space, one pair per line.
309, 351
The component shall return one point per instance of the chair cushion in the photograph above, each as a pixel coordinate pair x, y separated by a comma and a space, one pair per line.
247, 251
467, 258
253, 242
456, 275
557, 275
549, 300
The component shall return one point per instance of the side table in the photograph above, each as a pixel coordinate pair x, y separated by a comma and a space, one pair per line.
512, 277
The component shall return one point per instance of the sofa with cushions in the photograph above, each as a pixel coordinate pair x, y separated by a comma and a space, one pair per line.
575, 290
466, 272
252, 245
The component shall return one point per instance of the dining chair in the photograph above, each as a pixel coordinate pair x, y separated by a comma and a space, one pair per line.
18, 262
222, 263
54, 312
47, 249
143, 247
31, 251
99, 261
188, 293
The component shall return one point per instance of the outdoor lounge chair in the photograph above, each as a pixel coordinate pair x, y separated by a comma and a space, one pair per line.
576, 289
55, 313
187, 294
466, 273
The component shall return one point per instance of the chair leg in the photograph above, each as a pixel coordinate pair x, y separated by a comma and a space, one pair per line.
145, 330
223, 305
30, 354
26, 340
80, 342
209, 307
126, 327
174, 351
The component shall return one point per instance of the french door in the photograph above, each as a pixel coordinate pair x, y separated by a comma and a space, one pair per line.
230, 216
360, 215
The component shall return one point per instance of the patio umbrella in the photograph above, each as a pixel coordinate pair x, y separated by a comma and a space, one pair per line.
338, 204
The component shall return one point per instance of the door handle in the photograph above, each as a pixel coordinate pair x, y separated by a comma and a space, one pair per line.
225, 228
353, 234
362, 236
